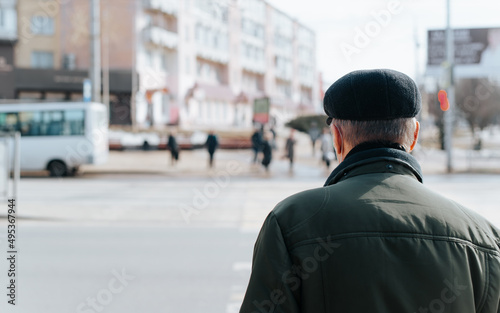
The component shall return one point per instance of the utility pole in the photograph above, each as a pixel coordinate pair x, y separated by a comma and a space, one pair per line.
448, 115
135, 82
105, 58
95, 49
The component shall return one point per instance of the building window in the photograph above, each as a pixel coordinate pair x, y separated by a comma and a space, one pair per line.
42, 59
42, 25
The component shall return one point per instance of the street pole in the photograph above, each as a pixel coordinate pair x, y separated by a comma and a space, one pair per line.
105, 61
95, 49
135, 82
448, 115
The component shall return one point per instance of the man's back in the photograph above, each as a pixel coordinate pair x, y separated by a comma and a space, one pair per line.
375, 241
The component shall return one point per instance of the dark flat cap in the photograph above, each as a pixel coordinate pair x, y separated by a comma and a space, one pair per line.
369, 95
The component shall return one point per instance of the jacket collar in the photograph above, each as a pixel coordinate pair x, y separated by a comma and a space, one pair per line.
370, 152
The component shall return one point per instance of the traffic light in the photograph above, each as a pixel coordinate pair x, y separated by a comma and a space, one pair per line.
443, 100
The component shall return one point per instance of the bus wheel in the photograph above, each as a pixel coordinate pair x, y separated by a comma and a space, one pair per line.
57, 169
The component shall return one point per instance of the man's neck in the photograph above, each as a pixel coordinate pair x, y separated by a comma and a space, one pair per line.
371, 145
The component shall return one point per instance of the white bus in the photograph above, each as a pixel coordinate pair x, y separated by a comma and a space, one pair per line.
58, 136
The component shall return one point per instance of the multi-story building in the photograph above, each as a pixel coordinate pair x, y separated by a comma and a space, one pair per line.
197, 63
244, 51
8, 37
52, 54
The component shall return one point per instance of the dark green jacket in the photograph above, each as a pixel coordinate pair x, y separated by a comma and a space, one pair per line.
374, 239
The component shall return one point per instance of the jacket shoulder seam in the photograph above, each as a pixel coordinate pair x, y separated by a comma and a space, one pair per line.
325, 200
486, 249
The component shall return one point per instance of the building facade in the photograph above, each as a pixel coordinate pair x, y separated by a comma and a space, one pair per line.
52, 54
8, 38
193, 63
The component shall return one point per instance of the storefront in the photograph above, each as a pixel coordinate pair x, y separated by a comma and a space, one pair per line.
65, 85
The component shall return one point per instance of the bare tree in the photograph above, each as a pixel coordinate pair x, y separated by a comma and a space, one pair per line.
479, 102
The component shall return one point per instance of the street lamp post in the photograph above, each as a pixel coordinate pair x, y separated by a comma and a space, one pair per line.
448, 115
95, 49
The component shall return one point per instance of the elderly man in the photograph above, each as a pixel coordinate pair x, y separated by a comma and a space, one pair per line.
374, 238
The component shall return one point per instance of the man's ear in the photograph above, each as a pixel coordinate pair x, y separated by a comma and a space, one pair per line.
337, 139
415, 136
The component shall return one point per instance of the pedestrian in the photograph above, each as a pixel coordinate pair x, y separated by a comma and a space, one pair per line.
267, 151
314, 134
273, 140
290, 148
212, 143
173, 147
374, 238
256, 144
327, 151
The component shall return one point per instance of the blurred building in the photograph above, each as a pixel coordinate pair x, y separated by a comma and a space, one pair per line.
197, 63
8, 38
52, 55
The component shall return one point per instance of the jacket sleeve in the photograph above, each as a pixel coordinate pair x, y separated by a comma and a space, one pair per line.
273, 286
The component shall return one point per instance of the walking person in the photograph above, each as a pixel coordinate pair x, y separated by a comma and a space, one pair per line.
267, 151
314, 134
327, 151
173, 147
374, 238
212, 144
290, 148
256, 144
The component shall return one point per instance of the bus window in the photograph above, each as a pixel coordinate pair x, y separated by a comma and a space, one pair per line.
52, 123
55, 121
74, 122
29, 126
9, 122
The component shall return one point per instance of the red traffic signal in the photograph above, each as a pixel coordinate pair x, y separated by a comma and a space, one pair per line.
443, 100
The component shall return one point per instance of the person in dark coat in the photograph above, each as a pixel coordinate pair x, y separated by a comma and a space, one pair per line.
267, 151
290, 148
256, 144
374, 238
212, 143
173, 147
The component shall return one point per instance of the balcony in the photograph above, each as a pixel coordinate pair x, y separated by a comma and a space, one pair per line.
253, 66
166, 6
285, 75
211, 54
8, 21
161, 37
307, 81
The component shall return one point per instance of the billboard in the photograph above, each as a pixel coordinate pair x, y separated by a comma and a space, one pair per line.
261, 110
477, 52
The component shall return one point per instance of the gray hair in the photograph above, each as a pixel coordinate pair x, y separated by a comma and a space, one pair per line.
399, 130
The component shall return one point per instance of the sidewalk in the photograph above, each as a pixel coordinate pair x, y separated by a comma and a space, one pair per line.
194, 163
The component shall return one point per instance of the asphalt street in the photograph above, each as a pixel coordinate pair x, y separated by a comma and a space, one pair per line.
153, 243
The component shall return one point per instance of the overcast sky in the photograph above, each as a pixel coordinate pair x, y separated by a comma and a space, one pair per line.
391, 44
